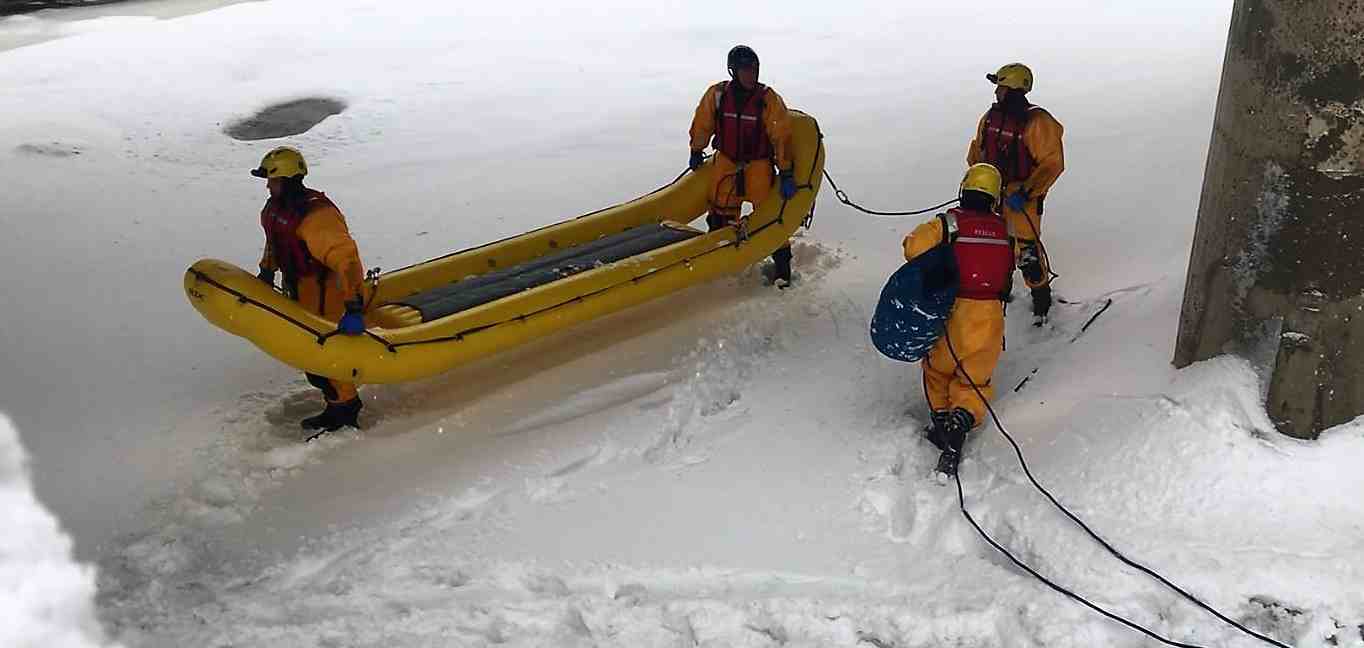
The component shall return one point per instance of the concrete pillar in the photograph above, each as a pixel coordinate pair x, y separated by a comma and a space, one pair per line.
1278, 252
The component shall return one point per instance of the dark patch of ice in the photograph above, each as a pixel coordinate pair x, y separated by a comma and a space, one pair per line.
49, 149
285, 119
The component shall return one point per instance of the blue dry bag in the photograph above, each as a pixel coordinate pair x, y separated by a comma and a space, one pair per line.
915, 304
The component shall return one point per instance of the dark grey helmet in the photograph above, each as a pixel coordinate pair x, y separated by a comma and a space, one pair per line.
742, 56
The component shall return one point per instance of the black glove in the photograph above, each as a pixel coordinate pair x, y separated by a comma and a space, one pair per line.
268, 276
352, 323
697, 159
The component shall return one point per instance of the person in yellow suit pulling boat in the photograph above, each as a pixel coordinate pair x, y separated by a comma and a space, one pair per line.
307, 241
750, 128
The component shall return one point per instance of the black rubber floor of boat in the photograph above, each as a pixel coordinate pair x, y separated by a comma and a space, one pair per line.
481, 289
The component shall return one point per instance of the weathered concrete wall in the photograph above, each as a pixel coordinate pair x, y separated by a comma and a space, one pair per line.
1280, 234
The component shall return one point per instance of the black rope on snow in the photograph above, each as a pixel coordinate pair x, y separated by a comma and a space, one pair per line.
1092, 318
1108, 303
961, 498
843, 198
1037, 236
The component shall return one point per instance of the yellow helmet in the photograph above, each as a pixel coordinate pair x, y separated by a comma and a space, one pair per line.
1013, 75
984, 178
283, 162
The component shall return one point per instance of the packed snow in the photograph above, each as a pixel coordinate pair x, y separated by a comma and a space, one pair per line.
46, 598
729, 466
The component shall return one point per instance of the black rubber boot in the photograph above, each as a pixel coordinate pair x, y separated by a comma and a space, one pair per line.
958, 423
947, 464
1041, 304
334, 417
934, 430
781, 267
348, 413
321, 421
1030, 262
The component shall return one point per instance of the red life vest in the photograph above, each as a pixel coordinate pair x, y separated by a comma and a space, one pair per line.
290, 253
1001, 144
985, 255
739, 130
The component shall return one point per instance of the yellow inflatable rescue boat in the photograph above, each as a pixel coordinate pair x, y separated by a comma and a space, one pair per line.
433, 316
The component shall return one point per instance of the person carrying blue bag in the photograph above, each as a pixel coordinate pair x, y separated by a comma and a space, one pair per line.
945, 308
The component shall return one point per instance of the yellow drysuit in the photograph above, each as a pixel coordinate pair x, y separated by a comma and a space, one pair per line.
725, 203
323, 230
975, 332
1042, 138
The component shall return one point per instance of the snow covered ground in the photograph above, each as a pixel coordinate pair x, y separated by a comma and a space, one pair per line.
48, 600
732, 466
